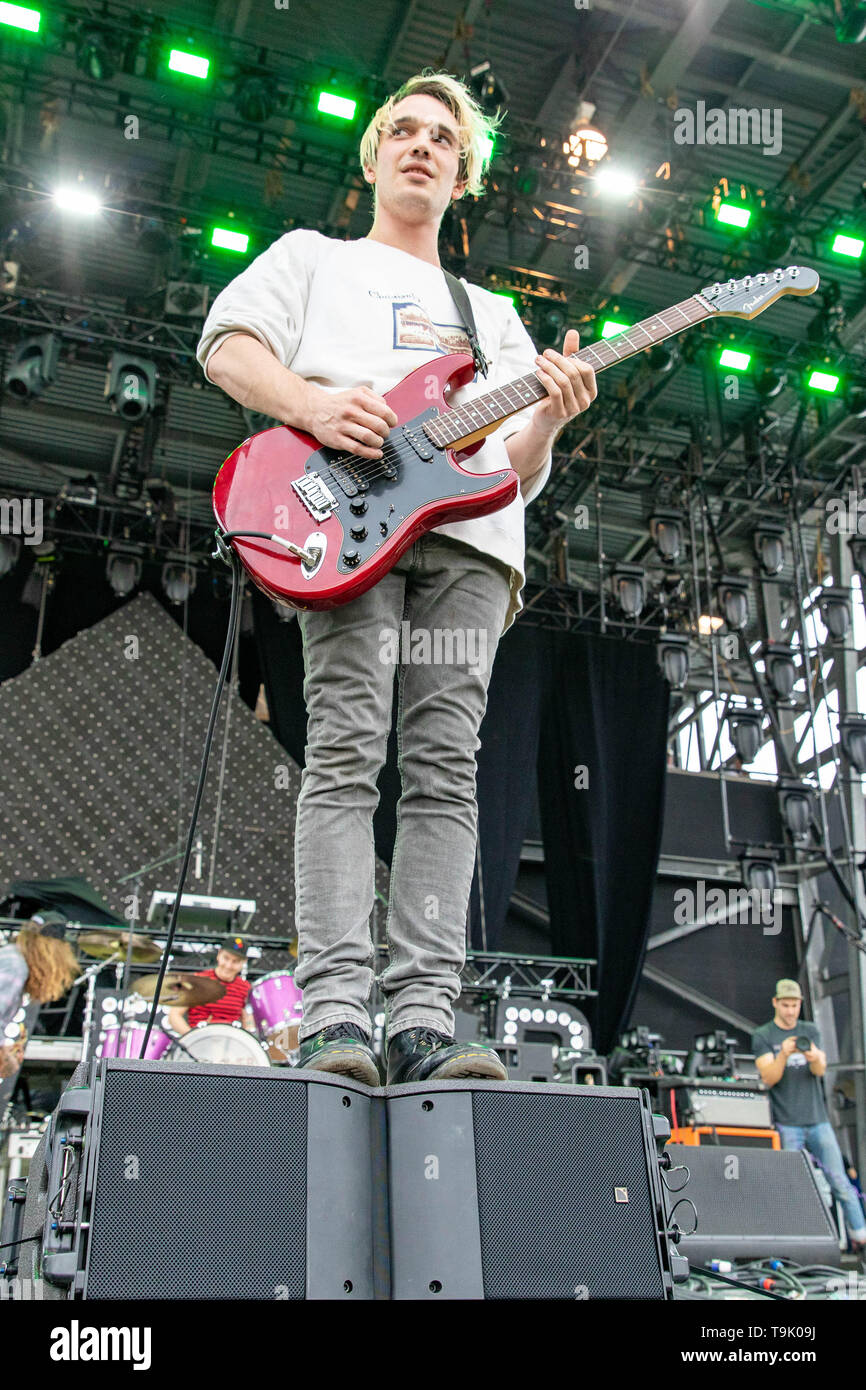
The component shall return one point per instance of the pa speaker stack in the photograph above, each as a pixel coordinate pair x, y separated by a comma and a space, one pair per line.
164, 1180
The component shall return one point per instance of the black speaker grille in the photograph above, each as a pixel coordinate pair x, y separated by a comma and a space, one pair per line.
547, 1167
760, 1192
218, 1209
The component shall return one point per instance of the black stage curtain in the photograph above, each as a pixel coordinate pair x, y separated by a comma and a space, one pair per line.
557, 701
606, 711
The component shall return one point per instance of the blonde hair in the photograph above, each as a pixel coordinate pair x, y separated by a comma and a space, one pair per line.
475, 128
52, 964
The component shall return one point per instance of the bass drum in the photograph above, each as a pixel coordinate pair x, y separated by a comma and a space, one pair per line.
220, 1042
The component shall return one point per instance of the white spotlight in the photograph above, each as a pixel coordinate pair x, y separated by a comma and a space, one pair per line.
618, 182
71, 199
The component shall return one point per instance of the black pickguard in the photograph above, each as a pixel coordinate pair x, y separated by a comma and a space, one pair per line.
388, 500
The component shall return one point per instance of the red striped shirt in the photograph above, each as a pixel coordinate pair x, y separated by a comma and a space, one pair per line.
225, 1010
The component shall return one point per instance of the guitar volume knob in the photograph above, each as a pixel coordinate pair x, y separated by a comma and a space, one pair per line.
357, 508
351, 558
358, 533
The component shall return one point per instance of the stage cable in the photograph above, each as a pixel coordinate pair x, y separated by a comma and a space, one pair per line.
229, 555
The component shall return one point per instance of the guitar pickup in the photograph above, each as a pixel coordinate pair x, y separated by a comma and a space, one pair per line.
419, 443
316, 497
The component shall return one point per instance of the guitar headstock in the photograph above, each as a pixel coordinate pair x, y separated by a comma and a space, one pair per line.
746, 298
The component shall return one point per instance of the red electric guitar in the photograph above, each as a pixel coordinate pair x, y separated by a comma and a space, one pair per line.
328, 525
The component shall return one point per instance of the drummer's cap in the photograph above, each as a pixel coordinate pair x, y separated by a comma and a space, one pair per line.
50, 924
236, 944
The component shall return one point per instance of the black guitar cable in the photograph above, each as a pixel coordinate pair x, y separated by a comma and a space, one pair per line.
223, 552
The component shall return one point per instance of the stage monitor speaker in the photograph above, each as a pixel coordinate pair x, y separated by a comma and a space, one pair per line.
168, 1180
752, 1204
520, 1190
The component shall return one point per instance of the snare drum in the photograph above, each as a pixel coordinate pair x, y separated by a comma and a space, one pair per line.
125, 1041
220, 1042
276, 1004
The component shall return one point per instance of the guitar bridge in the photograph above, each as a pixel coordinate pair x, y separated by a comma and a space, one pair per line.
316, 497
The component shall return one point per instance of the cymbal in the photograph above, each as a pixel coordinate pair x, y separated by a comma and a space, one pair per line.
103, 944
181, 988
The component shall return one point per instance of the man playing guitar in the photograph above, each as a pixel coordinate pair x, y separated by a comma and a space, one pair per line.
313, 333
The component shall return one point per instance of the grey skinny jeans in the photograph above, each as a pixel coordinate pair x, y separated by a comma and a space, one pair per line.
441, 602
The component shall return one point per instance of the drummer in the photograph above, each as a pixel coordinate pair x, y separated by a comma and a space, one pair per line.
231, 1008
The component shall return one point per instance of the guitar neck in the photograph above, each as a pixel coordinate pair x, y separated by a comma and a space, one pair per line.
476, 418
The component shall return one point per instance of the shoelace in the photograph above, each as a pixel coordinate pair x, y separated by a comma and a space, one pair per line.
429, 1035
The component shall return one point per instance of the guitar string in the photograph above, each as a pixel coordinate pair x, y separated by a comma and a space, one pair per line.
381, 471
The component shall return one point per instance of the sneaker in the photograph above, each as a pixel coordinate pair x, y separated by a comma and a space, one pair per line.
422, 1054
342, 1048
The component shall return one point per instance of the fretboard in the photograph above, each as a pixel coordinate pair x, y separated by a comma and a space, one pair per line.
494, 406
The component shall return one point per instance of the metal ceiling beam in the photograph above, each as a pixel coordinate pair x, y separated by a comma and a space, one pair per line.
472, 10
765, 57
696, 997
388, 63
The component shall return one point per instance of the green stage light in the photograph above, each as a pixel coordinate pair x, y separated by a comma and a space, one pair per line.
844, 245
190, 63
823, 381
228, 240
503, 294
738, 360
333, 105
733, 214
611, 327
18, 17
488, 145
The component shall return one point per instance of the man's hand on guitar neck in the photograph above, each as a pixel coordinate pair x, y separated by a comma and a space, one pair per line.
570, 385
571, 389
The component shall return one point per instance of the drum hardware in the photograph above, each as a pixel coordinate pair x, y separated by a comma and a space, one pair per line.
106, 945
90, 973
182, 990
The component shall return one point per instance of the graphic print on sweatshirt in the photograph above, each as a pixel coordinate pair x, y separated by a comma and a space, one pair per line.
415, 331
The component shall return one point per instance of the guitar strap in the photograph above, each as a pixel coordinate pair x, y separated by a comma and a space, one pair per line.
464, 308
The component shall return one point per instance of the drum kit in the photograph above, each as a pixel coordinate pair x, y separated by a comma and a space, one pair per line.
274, 1001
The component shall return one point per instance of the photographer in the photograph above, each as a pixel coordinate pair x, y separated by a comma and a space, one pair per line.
790, 1063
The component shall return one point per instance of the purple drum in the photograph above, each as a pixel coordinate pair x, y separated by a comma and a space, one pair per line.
275, 1001
126, 1042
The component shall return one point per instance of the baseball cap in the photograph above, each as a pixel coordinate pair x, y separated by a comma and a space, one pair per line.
236, 944
788, 989
50, 924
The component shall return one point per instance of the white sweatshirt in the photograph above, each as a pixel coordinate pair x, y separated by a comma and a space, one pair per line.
359, 313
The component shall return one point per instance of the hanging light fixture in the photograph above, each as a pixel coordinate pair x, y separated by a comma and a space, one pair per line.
780, 667
734, 601
673, 658
835, 606
852, 738
666, 529
795, 803
857, 546
744, 726
629, 587
758, 871
769, 543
